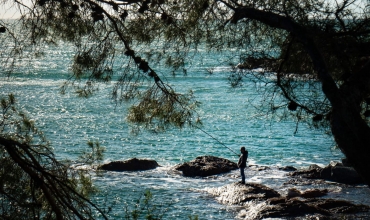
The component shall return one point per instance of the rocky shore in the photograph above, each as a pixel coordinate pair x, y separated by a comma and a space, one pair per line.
335, 172
257, 201
307, 192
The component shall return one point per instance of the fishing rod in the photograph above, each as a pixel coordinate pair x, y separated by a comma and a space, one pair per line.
216, 140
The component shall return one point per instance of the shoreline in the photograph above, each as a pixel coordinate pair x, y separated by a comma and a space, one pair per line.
270, 176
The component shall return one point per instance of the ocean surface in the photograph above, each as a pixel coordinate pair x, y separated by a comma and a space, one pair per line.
228, 115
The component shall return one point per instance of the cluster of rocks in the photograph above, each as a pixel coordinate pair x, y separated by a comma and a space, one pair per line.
258, 201
335, 172
200, 167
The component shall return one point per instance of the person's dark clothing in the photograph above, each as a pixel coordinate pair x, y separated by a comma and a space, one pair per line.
242, 174
242, 163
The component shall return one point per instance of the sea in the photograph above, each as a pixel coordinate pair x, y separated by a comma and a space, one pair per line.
230, 118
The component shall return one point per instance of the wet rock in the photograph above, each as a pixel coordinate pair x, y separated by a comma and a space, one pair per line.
313, 193
304, 182
293, 192
287, 208
313, 172
310, 193
257, 201
258, 168
133, 164
335, 172
206, 166
238, 194
327, 208
339, 173
288, 169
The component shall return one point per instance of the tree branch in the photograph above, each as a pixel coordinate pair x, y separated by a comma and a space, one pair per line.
329, 86
9, 146
48, 187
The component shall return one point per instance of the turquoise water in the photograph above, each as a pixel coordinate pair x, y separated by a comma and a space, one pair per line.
69, 122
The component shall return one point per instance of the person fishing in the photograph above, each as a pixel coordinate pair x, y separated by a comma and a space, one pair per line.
242, 163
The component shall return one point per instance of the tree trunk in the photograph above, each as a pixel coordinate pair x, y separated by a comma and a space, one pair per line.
350, 130
353, 139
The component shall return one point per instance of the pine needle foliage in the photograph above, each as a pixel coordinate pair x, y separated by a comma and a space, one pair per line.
33, 183
125, 40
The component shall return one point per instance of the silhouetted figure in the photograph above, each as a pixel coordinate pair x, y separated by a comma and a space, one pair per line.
242, 163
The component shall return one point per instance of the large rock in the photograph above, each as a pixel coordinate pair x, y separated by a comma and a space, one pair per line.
239, 194
206, 166
261, 202
339, 173
313, 172
335, 172
133, 164
310, 209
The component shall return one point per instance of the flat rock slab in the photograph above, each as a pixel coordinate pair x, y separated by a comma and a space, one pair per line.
238, 194
133, 164
206, 166
310, 193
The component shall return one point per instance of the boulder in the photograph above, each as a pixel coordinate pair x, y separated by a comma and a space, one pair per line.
133, 164
339, 173
335, 172
206, 166
313, 172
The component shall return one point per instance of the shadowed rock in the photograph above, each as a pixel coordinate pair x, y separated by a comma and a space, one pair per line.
206, 166
335, 172
339, 173
288, 168
261, 202
316, 208
133, 164
284, 208
313, 172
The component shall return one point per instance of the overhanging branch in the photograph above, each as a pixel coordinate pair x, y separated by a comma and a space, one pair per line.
273, 20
